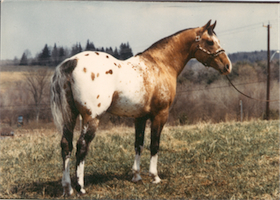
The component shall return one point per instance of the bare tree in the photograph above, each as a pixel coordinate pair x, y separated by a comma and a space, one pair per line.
37, 84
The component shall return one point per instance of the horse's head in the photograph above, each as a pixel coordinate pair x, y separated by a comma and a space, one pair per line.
208, 50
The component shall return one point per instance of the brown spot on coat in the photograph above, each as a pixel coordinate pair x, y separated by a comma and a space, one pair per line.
97, 96
107, 56
97, 53
97, 74
87, 54
109, 72
92, 76
115, 64
99, 105
119, 66
85, 70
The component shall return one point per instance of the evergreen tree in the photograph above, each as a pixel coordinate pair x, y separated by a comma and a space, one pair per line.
44, 56
109, 51
23, 60
90, 46
55, 55
116, 53
125, 51
61, 54
77, 48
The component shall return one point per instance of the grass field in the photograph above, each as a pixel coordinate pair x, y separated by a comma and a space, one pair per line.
203, 161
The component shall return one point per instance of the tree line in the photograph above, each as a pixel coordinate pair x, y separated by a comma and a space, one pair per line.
52, 56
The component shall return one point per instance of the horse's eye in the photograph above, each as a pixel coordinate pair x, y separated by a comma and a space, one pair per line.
210, 42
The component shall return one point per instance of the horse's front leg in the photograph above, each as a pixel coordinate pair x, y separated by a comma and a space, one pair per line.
89, 128
140, 124
156, 127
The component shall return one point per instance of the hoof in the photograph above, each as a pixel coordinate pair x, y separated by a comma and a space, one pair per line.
136, 178
82, 192
156, 178
67, 190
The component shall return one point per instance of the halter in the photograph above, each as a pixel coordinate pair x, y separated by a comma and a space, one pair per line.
213, 55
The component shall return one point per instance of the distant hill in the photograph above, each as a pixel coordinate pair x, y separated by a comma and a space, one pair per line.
251, 56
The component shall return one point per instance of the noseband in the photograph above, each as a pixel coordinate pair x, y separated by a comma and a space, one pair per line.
211, 55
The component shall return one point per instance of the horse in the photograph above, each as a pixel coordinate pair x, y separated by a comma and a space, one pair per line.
143, 87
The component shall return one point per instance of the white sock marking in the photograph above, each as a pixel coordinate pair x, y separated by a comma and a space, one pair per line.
153, 164
80, 175
153, 169
66, 180
136, 167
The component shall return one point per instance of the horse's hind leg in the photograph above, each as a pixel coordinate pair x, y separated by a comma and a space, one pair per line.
66, 149
89, 128
140, 124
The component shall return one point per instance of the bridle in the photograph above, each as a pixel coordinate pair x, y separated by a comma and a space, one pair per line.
215, 54
211, 55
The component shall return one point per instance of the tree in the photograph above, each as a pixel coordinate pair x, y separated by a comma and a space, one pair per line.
37, 84
55, 55
77, 48
23, 60
61, 53
125, 51
44, 56
109, 51
90, 46
116, 53
25, 57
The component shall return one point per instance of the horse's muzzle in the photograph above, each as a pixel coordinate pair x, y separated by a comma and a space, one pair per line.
226, 70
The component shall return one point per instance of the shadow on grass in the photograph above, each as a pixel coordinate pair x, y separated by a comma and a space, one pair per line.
54, 189
99, 178
38, 189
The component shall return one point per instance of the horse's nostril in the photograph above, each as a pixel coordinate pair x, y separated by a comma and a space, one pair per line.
227, 67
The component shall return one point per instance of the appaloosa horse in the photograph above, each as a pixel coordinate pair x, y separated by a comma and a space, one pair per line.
143, 87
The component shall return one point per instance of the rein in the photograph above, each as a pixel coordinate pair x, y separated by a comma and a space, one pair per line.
247, 95
215, 54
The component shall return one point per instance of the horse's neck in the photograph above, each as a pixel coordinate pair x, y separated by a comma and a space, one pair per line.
171, 53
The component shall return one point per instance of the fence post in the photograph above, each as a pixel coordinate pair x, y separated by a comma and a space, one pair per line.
241, 111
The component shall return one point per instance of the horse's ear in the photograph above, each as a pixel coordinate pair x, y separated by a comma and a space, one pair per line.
213, 25
210, 29
206, 26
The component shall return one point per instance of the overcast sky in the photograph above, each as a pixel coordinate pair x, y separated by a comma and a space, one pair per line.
32, 24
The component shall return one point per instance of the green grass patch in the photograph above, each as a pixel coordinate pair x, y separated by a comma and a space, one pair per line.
203, 161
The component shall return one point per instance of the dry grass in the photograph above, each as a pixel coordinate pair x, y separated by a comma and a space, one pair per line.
203, 161
12, 75
10, 79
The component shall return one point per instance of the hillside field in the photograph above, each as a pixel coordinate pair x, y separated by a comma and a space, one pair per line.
230, 160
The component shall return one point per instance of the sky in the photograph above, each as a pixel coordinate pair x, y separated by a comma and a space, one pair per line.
30, 24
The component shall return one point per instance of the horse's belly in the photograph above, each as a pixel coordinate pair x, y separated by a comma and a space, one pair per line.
129, 106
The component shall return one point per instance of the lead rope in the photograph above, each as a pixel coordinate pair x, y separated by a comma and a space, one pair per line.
247, 95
